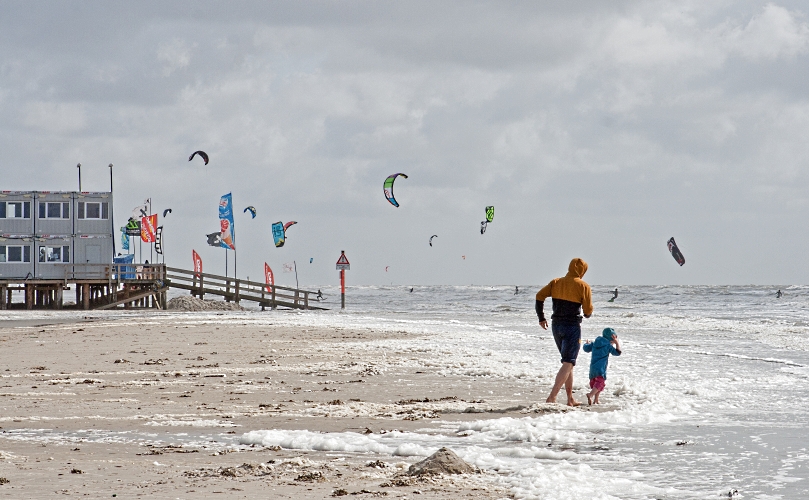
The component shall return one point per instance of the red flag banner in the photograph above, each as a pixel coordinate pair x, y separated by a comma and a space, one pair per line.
197, 262
268, 277
148, 228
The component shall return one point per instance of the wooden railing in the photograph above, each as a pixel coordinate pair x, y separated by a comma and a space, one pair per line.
236, 290
114, 273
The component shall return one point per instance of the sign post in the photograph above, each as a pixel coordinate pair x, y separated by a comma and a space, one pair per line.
343, 265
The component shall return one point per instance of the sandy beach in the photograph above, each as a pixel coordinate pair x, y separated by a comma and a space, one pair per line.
126, 407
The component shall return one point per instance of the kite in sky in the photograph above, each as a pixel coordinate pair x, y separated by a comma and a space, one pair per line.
675, 252
279, 232
387, 187
489, 217
202, 154
431, 239
166, 211
252, 211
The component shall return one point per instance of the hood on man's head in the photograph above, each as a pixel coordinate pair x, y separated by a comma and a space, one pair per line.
577, 268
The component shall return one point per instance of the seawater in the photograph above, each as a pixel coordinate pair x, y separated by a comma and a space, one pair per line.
708, 399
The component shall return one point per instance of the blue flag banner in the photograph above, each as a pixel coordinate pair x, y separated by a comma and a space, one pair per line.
226, 222
124, 239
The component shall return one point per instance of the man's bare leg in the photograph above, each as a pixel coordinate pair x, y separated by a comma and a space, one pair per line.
569, 390
564, 377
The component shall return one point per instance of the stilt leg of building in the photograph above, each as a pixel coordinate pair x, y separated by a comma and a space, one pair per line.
3, 291
85, 292
59, 293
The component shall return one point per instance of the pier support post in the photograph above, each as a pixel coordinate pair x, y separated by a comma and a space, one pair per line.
85, 296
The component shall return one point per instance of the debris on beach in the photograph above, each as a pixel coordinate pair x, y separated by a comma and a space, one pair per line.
443, 461
189, 303
242, 470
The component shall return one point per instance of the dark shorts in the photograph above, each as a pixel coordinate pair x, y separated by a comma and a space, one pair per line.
567, 339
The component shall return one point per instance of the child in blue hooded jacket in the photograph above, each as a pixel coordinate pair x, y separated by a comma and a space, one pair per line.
601, 348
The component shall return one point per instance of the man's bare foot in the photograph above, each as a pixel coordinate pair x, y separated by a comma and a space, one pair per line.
573, 402
550, 400
589, 400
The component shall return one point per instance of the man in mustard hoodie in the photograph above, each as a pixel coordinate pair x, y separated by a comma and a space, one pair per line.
571, 296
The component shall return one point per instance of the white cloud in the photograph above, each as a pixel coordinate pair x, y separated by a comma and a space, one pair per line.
773, 33
175, 55
55, 117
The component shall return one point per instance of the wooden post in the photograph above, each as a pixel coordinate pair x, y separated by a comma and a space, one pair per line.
296, 297
85, 296
58, 304
306, 300
29, 296
262, 297
274, 305
237, 290
201, 291
3, 289
227, 290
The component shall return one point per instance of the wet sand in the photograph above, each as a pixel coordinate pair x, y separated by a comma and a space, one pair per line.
102, 407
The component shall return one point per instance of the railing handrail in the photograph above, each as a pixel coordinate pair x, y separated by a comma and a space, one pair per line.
192, 274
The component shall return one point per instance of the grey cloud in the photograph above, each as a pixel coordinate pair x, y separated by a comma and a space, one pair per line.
598, 129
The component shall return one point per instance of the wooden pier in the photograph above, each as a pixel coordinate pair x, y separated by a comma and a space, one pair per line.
141, 286
236, 290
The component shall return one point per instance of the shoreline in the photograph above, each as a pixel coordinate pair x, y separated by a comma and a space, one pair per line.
79, 393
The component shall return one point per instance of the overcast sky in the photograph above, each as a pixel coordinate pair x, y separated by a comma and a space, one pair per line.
597, 130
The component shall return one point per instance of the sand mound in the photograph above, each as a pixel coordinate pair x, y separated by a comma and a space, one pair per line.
443, 461
189, 303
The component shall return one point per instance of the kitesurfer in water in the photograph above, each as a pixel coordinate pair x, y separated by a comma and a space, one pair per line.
778, 294
614, 295
571, 295
319, 294
411, 289
516, 290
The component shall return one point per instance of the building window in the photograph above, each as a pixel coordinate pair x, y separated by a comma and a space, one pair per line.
15, 253
51, 210
15, 209
93, 210
54, 254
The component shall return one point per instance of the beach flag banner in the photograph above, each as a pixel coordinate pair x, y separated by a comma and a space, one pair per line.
289, 267
158, 242
268, 277
214, 239
133, 227
197, 262
140, 211
148, 228
124, 239
226, 222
